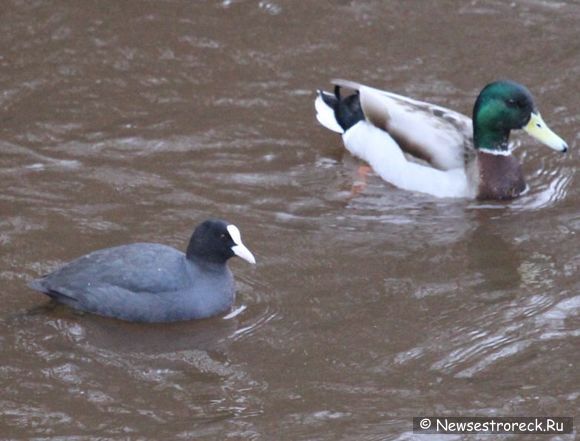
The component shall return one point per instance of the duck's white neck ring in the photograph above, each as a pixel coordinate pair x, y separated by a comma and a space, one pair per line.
495, 152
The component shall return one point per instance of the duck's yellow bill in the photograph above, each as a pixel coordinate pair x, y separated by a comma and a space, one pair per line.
540, 130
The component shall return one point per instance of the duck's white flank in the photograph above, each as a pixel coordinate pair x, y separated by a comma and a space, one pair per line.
325, 115
383, 154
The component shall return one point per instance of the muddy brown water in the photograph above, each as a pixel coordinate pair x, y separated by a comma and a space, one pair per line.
135, 120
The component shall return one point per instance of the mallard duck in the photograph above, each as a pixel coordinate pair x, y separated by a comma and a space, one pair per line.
426, 148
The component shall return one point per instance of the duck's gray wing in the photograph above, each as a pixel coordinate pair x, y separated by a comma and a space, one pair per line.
438, 135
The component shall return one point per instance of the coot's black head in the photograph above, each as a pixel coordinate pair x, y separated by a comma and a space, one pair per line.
216, 241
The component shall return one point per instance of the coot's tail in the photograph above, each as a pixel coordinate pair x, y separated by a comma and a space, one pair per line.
41, 286
38, 285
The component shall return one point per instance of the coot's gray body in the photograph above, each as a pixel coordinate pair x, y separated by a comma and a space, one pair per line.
149, 282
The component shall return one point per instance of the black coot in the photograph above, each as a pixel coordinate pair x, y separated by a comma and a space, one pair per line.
148, 282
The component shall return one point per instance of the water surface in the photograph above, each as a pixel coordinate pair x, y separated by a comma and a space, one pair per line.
134, 121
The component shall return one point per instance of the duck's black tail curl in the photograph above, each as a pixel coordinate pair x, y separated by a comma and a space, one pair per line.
347, 111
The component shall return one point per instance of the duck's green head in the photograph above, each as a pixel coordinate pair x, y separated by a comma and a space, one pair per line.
503, 106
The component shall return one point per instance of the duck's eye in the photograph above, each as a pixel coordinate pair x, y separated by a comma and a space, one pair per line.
222, 236
512, 103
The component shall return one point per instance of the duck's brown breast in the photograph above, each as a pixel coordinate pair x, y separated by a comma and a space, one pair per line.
499, 176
